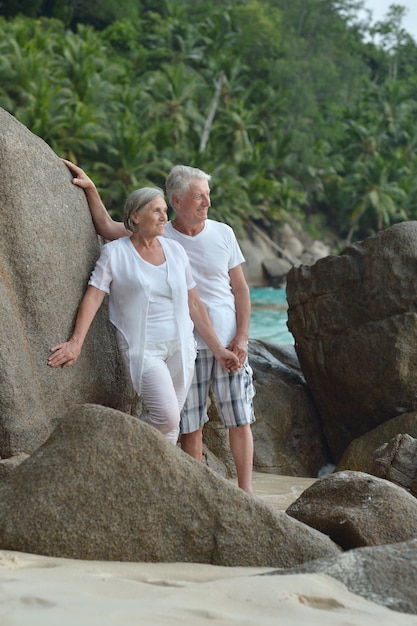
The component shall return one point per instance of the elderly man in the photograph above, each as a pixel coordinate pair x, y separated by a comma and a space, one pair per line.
216, 263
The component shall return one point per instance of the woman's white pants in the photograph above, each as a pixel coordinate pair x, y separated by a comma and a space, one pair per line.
163, 388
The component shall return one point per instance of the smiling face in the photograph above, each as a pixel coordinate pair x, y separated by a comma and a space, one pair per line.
151, 218
192, 207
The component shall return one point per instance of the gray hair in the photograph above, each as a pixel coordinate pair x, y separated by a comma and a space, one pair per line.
180, 178
138, 200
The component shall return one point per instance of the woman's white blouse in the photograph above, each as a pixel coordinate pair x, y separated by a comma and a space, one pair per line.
121, 273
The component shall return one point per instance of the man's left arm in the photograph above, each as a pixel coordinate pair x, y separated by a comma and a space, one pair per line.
240, 290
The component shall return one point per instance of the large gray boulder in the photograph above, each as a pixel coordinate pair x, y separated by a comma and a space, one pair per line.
354, 320
397, 461
356, 509
386, 575
359, 455
106, 486
48, 249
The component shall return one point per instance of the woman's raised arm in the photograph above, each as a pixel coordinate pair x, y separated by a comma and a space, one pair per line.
105, 226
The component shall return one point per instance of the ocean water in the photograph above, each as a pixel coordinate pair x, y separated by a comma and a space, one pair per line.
269, 316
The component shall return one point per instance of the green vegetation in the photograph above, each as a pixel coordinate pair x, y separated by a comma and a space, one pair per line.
298, 110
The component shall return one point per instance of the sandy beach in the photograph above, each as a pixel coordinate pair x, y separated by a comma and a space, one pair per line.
44, 591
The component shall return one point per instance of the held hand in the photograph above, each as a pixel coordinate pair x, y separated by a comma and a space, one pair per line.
229, 360
64, 354
240, 348
80, 177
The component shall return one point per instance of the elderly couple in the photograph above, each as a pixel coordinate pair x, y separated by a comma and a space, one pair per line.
174, 344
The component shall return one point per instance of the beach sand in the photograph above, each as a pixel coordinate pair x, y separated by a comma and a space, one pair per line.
44, 591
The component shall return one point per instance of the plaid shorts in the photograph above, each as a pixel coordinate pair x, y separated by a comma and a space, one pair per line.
233, 392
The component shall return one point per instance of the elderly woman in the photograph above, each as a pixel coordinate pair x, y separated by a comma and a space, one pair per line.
154, 306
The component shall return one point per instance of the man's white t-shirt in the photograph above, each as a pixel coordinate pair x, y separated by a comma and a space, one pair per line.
212, 253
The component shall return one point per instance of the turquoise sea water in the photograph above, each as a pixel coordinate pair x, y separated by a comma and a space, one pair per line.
269, 316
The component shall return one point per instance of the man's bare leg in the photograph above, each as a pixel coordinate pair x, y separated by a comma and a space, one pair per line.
241, 445
192, 444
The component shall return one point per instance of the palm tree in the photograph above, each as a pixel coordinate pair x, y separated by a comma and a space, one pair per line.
379, 201
175, 92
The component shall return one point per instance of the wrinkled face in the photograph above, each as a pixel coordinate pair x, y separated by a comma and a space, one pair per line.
151, 219
192, 208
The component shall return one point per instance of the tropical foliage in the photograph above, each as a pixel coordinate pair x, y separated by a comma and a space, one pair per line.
299, 110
